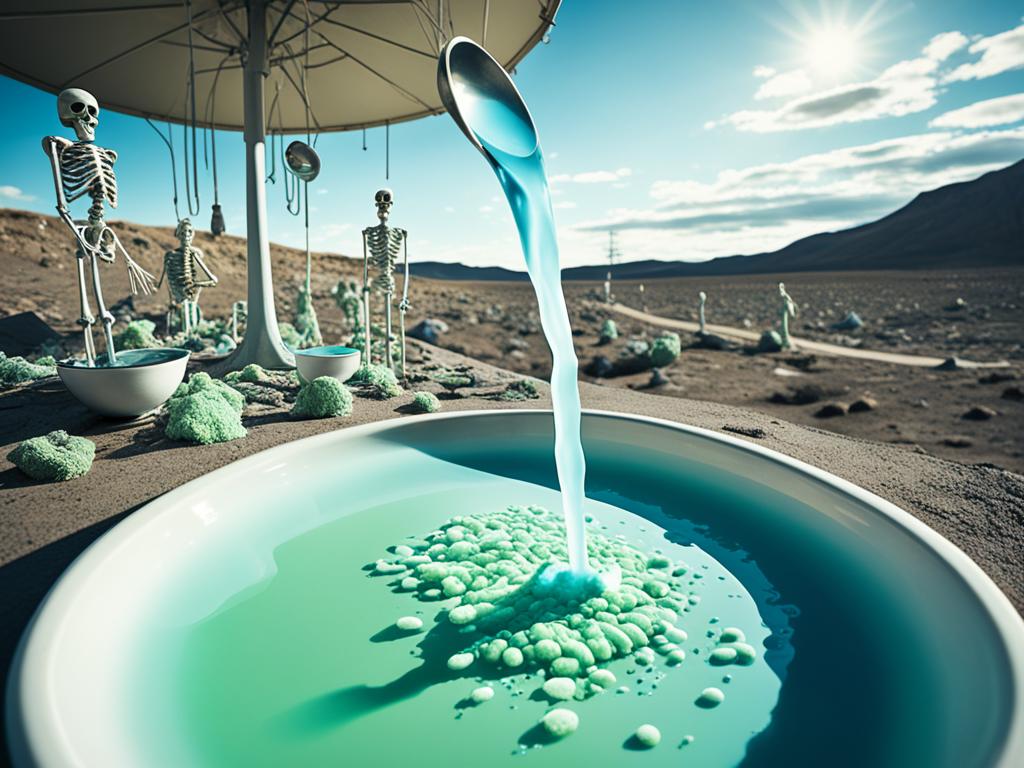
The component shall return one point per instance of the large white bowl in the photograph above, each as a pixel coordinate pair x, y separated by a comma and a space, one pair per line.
65, 697
142, 380
337, 362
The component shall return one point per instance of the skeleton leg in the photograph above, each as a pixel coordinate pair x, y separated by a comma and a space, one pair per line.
366, 305
401, 329
86, 320
105, 316
388, 359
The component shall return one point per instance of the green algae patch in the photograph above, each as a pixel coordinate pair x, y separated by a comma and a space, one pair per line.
520, 389
18, 370
424, 402
56, 456
138, 334
205, 410
323, 398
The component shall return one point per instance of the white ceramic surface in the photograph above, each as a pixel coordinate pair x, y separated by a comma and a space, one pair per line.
149, 378
337, 362
67, 679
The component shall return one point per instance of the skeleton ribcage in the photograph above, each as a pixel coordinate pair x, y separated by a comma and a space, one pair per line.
384, 243
86, 169
181, 276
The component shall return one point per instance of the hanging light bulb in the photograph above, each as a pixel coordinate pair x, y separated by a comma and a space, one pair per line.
302, 160
217, 221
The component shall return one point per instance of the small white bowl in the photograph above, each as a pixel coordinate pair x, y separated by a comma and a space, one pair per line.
337, 362
142, 380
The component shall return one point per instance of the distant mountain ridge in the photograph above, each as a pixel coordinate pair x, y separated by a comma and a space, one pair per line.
978, 223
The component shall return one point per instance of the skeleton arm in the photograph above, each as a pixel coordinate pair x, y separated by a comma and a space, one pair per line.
211, 280
53, 146
404, 303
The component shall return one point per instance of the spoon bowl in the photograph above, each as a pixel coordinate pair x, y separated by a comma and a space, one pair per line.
302, 160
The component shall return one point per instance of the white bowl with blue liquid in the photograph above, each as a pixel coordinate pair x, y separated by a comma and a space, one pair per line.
142, 379
225, 622
338, 362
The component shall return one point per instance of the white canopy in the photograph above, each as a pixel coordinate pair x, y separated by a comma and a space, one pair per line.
370, 62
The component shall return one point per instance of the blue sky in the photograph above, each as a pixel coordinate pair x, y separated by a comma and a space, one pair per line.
697, 129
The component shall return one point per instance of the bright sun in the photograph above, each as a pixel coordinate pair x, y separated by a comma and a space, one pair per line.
832, 50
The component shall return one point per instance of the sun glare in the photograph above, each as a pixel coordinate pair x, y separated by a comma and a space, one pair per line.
832, 51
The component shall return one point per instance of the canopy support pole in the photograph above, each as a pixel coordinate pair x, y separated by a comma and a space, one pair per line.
262, 343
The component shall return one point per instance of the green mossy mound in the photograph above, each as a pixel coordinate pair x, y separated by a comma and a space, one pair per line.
251, 374
323, 398
424, 402
664, 350
138, 334
520, 389
205, 411
52, 457
18, 370
380, 381
609, 331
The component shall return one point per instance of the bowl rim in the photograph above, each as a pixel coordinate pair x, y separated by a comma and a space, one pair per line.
26, 691
325, 353
73, 364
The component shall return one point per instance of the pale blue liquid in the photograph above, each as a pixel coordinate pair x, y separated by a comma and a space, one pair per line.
132, 358
511, 145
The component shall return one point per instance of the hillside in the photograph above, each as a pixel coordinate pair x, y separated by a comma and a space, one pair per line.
978, 223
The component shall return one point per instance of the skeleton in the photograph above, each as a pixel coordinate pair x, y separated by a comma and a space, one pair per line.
350, 302
787, 310
82, 169
381, 247
182, 268
239, 313
703, 298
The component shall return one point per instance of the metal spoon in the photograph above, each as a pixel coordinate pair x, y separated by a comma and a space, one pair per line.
302, 160
484, 102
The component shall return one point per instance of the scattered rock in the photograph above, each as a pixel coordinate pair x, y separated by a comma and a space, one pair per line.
802, 395
863, 404
755, 432
428, 330
851, 322
958, 441
997, 377
657, 379
979, 413
1013, 393
831, 410
950, 364
712, 341
770, 341
600, 367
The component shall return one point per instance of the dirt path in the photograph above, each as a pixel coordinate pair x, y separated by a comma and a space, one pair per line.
807, 345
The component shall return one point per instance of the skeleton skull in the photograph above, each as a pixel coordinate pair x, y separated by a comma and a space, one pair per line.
79, 109
384, 200
185, 232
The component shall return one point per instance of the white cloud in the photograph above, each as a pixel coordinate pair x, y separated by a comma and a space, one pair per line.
328, 234
765, 207
999, 111
15, 193
592, 177
784, 84
763, 72
564, 204
999, 53
944, 45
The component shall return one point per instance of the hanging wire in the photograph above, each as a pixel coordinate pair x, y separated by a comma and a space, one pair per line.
387, 150
270, 128
194, 192
169, 141
305, 184
364, 138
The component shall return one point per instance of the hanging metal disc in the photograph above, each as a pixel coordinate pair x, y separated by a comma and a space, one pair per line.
302, 160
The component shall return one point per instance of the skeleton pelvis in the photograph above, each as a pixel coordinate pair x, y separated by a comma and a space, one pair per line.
100, 238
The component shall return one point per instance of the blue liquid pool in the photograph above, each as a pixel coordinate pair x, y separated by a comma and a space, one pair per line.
502, 125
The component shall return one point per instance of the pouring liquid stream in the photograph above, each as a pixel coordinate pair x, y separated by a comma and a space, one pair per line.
490, 110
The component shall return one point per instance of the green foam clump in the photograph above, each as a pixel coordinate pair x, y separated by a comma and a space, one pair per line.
520, 610
205, 410
380, 381
138, 334
55, 456
18, 370
665, 349
609, 331
323, 398
425, 402
647, 736
559, 723
251, 374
